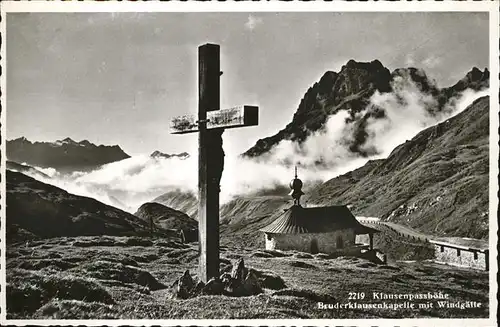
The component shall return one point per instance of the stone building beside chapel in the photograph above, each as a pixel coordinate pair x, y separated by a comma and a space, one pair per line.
475, 256
331, 229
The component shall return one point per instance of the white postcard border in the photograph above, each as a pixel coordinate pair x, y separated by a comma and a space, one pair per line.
192, 6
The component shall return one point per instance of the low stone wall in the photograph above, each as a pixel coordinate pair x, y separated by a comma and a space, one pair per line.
455, 255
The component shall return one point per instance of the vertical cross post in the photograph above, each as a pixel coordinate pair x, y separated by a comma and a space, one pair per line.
211, 161
210, 124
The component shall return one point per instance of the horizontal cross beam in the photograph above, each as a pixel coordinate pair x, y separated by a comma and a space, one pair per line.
240, 116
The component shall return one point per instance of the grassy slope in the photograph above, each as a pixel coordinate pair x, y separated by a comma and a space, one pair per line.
242, 218
437, 182
165, 217
122, 277
179, 200
49, 211
11, 165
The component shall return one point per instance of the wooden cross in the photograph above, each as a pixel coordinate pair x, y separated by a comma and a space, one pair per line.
210, 124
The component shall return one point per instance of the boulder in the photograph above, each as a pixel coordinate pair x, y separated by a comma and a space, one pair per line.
183, 287
239, 271
240, 282
251, 285
198, 289
232, 286
225, 278
213, 287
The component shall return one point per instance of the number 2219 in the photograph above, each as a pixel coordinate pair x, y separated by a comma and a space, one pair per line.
356, 296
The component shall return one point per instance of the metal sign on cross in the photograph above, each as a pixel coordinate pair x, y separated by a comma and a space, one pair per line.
210, 125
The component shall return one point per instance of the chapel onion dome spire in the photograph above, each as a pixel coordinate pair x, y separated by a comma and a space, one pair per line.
296, 186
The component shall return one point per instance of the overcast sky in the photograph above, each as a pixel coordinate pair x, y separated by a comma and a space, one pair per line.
118, 78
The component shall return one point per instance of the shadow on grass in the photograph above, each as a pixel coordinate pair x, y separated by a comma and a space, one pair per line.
55, 264
29, 290
74, 309
106, 270
302, 264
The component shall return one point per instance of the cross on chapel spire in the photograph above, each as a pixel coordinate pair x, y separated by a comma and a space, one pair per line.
296, 186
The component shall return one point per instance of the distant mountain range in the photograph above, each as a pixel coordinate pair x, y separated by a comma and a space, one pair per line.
158, 154
63, 155
69, 155
351, 90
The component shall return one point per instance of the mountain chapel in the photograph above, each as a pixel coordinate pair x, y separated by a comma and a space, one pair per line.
331, 229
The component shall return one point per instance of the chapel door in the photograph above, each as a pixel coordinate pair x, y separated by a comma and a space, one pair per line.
340, 242
314, 246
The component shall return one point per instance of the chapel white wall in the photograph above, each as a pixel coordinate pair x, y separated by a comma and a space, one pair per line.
327, 242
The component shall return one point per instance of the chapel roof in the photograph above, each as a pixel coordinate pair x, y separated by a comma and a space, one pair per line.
299, 220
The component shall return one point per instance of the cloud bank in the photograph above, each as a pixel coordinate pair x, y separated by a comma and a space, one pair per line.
325, 154
390, 119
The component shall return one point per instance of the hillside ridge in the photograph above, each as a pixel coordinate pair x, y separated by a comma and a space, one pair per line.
437, 182
45, 210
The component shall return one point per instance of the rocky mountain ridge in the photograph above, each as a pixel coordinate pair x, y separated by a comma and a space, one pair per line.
63, 155
158, 154
351, 90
